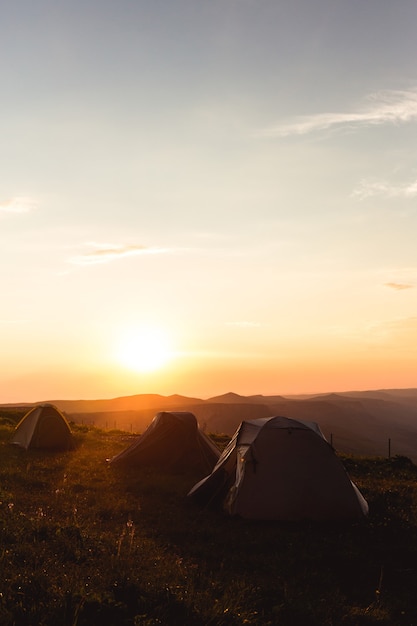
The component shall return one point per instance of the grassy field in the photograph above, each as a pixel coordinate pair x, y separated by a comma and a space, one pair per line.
82, 544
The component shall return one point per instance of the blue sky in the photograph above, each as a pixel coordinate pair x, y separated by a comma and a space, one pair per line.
240, 176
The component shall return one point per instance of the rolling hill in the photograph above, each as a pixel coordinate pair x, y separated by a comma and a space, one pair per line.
375, 422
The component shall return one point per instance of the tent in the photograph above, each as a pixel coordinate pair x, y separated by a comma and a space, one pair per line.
173, 441
43, 426
277, 468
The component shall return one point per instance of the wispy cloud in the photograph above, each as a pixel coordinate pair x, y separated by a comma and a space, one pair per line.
402, 331
18, 204
244, 324
387, 334
367, 189
383, 107
399, 286
105, 253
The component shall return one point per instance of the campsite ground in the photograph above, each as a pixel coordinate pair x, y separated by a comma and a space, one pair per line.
82, 543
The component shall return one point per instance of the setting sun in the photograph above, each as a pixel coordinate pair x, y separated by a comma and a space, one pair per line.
144, 349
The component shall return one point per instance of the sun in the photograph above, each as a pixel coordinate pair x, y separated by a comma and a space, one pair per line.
144, 349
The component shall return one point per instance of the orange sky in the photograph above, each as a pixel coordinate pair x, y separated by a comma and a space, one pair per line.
205, 378
235, 177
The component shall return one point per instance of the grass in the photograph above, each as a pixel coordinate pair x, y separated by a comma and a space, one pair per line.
82, 544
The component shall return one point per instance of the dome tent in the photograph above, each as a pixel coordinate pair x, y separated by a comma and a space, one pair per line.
44, 426
173, 441
278, 468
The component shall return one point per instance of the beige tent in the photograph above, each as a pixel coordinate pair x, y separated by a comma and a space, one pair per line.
172, 441
278, 468
43, 427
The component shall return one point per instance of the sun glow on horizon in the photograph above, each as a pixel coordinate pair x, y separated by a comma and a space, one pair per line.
144, 349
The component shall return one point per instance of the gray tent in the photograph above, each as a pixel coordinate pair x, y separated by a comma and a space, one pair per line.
278, 468
172, 441
45, 427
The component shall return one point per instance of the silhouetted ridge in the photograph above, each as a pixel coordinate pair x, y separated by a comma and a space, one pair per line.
363, 422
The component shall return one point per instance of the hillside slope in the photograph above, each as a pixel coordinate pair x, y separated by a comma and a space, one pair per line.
367, 422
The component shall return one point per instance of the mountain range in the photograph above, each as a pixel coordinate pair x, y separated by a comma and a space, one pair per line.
379, 422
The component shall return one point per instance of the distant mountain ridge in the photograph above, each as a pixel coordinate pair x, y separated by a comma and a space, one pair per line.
371, 422
122, 403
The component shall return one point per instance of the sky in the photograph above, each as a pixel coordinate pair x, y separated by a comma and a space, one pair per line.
199, 197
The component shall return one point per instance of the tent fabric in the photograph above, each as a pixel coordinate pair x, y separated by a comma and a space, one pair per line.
173, 441
44, 426
279, 468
